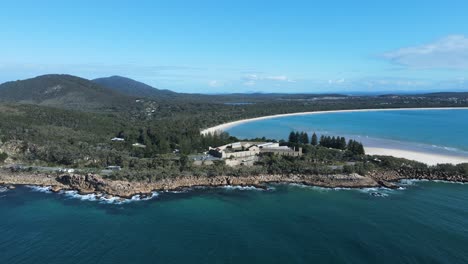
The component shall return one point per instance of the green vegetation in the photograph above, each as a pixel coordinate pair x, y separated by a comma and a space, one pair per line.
296, 139
62, 120
334, 142
64, 91
314, 140
133, 88
3, 157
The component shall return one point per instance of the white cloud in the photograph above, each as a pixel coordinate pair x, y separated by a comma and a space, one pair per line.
215, 83
337, 81
448, 52
252, 79
250, 83
277, 78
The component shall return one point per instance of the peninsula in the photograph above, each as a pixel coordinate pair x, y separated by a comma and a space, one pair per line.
97, 136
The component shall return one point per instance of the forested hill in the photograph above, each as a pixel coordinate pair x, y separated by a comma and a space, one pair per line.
133, 88
63, 91
448, 94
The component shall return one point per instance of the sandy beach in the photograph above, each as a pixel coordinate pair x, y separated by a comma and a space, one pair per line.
425, 157
428, 158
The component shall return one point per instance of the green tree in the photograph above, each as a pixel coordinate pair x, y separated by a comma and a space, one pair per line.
3, 157
342, 144
292, 137
314, 140
304, 138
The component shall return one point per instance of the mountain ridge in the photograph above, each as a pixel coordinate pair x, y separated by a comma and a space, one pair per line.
63, 91
132, 87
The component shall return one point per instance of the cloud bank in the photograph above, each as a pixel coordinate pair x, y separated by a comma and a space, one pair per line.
450, 52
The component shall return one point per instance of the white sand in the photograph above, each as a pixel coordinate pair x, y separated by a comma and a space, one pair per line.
428, 158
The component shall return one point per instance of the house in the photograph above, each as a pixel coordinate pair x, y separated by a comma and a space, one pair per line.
117, 139
250, 149
269, 145
282, 151
235, 150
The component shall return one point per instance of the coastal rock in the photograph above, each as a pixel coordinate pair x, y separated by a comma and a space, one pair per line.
92, 183
84, 183
56, 188
387, 184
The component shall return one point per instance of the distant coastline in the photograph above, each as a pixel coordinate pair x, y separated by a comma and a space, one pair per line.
425, 157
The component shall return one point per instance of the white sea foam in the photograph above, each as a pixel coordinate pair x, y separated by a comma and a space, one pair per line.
374, 191
146, 198
318, 188
44, 189
453, 182
108, 199
377, 191
178, 191
411, 181
76, 195
242, 188
73, 194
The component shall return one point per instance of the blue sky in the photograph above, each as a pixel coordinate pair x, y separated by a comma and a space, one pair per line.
242, 46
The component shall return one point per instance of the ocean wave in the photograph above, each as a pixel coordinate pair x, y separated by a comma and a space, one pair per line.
444, 147
43, 189
242, 188
373, 191
377, 191
409, 182
145, 197
319, 188
94, 197
178, 191
406, 182
107, 198
452, 182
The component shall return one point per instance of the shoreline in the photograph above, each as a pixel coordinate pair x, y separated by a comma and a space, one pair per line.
428, 158
424, 157
91, 184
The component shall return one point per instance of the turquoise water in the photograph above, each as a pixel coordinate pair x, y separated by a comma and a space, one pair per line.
428, 130
425, 223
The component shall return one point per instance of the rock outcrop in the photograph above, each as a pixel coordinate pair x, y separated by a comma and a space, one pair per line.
92, 183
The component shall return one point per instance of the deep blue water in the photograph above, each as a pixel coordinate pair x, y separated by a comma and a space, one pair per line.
431, 130
425, 223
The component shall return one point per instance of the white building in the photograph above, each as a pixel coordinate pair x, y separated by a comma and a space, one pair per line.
249, 149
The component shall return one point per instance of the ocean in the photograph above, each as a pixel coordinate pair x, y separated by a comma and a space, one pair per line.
431, 131
423, 222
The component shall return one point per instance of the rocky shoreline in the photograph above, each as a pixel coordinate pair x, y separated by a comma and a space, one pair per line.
95, 184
